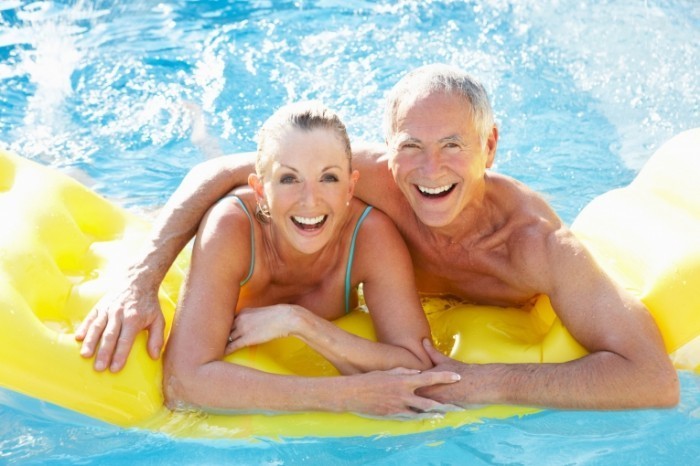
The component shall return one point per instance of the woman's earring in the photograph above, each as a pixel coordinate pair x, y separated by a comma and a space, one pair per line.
262, 213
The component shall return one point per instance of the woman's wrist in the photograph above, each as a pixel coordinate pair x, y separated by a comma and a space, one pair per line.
298, 318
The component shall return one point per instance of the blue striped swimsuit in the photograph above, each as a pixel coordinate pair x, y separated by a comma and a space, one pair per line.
348, 268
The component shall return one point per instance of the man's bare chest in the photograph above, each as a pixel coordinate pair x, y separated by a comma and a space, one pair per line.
478, 275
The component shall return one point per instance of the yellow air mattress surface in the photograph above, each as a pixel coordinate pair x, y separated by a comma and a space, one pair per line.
62, 246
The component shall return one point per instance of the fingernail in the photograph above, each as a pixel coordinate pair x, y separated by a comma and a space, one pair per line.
456, 377
100, 366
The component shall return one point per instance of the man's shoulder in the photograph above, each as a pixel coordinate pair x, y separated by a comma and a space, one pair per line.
531, 223
376, 185
520, 201
366, 155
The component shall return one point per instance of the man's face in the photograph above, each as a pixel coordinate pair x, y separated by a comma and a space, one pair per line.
436, 156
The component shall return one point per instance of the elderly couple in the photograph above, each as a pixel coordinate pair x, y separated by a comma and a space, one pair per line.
285, 236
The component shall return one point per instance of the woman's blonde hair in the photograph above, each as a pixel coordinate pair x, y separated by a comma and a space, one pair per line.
301, 115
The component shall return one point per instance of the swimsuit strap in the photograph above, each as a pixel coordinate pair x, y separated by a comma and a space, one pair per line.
252, 238
350, 257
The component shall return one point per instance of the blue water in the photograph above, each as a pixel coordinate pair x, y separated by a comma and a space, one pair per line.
115, 92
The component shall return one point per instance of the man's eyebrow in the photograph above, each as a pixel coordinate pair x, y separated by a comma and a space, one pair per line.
453, 138
409, 140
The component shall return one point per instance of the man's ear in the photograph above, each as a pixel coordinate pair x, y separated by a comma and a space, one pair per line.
491, 143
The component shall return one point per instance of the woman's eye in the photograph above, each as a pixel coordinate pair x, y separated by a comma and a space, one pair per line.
329, 178
287, 179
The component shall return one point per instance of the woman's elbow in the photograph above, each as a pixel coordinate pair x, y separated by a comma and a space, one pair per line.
424, 363
421, 359
177, 394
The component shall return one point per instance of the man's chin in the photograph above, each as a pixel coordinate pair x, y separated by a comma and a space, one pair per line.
433, 219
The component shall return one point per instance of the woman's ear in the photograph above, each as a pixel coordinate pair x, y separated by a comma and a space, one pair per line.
255, 182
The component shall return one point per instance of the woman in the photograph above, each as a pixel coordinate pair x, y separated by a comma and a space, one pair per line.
289, 269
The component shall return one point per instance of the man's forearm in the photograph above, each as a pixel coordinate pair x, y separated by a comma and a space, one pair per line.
180, 217
600, 380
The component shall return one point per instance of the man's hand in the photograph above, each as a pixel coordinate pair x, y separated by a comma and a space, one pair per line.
392, 394
455, 393
112, 325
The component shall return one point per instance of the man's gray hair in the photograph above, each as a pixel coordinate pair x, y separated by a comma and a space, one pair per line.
433, 78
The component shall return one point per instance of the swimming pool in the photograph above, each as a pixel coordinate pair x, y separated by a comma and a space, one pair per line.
583, 91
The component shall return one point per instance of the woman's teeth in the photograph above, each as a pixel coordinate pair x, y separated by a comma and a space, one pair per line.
309, 222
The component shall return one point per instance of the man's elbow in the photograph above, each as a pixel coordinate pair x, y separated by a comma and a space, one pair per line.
661, 387
669, 390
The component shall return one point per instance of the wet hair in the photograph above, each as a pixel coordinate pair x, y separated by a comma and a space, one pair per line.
449, 80
305, 116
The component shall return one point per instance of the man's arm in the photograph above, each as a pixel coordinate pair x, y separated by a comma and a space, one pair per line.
627, 366
112, 325
376, 185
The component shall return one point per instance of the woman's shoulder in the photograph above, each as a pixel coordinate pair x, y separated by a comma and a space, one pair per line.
369, 217
372, 227
233, 204
233, 212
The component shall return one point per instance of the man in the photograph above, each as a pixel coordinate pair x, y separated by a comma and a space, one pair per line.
472, 233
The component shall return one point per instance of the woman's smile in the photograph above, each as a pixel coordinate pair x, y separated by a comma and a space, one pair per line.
309, 223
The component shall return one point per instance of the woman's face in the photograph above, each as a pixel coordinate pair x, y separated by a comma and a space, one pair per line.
307, 186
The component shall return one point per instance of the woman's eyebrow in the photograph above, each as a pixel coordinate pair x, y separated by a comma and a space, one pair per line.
283, 165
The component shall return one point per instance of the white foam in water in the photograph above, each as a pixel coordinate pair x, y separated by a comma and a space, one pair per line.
629, 56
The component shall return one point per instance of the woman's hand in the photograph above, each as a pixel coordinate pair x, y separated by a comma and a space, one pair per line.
253, 326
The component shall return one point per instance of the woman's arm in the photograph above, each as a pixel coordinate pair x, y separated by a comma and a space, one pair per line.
194, 374
383, 264
350, 354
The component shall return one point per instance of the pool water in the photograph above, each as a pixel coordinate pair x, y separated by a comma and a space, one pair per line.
128, 96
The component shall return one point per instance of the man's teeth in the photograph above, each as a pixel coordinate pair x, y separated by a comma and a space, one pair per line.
433, 191
308, 220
